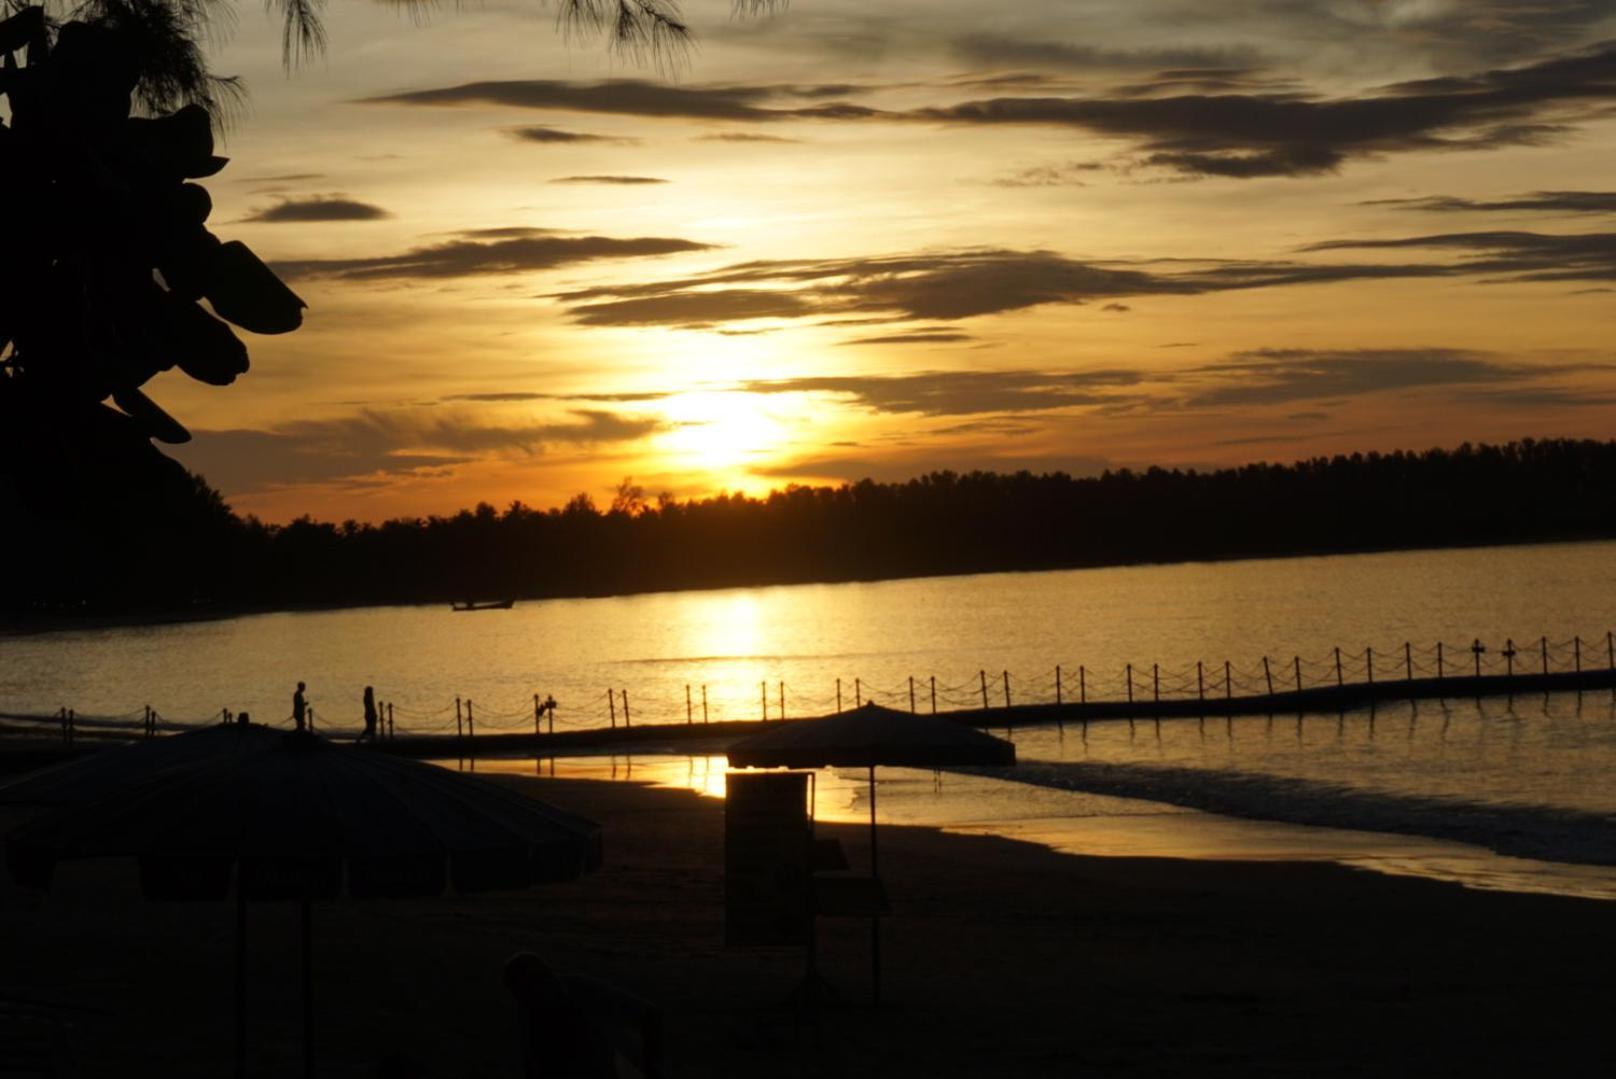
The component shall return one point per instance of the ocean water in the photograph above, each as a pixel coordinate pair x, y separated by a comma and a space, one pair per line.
1528, 778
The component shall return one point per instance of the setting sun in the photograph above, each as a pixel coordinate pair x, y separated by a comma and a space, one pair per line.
719, 432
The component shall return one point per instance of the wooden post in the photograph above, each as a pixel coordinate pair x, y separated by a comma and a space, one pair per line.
611, 702
1408, 658
471, 722
1545, 645
838, 696
984, 677
690, 715
1476, 649
1369, 663
1298, 660
704, 702
626, 723
1007, 689
911, 694
537, 713
763, 690
783, 699
1439, 660
1128, 674
390, 734
1200, 687
1509, 657
1155, 682
858, 693
1268, 675
1338, 668
1576, 654
1057, 684
1228, 682
934, 694
460, 722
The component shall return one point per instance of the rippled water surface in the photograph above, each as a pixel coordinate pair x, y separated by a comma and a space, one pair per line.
1428, 765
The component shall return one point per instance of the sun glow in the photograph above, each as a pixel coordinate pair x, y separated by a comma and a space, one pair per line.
719, 431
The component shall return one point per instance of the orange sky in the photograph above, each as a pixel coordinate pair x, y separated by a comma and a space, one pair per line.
856, 239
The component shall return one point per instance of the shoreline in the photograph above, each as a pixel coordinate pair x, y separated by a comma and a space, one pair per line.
14, 624
1000, 958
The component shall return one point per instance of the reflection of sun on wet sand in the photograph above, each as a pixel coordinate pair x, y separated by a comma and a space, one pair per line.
1002, 958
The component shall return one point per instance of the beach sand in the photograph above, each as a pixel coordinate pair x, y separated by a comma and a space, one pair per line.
1001, 958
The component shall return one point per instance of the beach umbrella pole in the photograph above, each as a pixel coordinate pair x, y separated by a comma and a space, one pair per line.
241, 982
875, 916
308, 992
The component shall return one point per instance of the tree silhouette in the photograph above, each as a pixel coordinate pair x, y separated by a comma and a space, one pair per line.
101, 281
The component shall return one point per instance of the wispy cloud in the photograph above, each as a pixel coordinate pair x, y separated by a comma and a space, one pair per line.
488, 252
552, 135
320, 208
1555, 202
627, 181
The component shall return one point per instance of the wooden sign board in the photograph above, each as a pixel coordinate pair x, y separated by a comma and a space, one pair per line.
768, 836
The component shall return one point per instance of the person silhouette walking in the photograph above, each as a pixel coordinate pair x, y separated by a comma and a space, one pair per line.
370, 713
300, 707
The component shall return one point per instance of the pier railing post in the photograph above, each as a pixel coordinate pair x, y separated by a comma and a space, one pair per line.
912, 695
1509, 657
934, 694
1057, 684
390, 734
782, 698
626, 723
1155, 683
1576, 654
690, 715
1007, 689
1298, 665
1408, 658
1476, 649
763, 691
1439, 661
1200, 687
538, 713
471, 722
1338, 681
984, 677
1544, 643
1128, 674
704, 702
838, 696
1228, 682
1082, 685
1268, 676
460, 720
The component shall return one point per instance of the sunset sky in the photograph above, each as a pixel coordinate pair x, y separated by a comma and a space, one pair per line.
858, 239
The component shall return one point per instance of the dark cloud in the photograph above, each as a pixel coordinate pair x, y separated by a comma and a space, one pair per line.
688, 309
318, 208
503, 251
623, 180
372, 442
550, 135
633, 97
1120, 308
914, 337
936, 286
995, 50
1520, 256
742, 136
1283, 376
962, 393
1568, 202
283, 178
1244, 135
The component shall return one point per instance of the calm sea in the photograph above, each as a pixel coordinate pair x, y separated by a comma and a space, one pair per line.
1528, 777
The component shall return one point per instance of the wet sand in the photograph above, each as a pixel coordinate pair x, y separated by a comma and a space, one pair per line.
1001, 958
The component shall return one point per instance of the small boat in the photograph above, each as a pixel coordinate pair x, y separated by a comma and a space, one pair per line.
484, 605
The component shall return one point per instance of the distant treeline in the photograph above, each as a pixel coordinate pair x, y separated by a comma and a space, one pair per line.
941, 523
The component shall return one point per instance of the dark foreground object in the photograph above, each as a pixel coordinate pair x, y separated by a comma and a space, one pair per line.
1001, 959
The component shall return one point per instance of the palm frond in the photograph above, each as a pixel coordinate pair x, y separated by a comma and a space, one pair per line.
302, 32
642, 30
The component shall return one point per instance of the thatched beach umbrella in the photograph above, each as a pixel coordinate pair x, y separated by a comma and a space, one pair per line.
304, 819
867, 737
